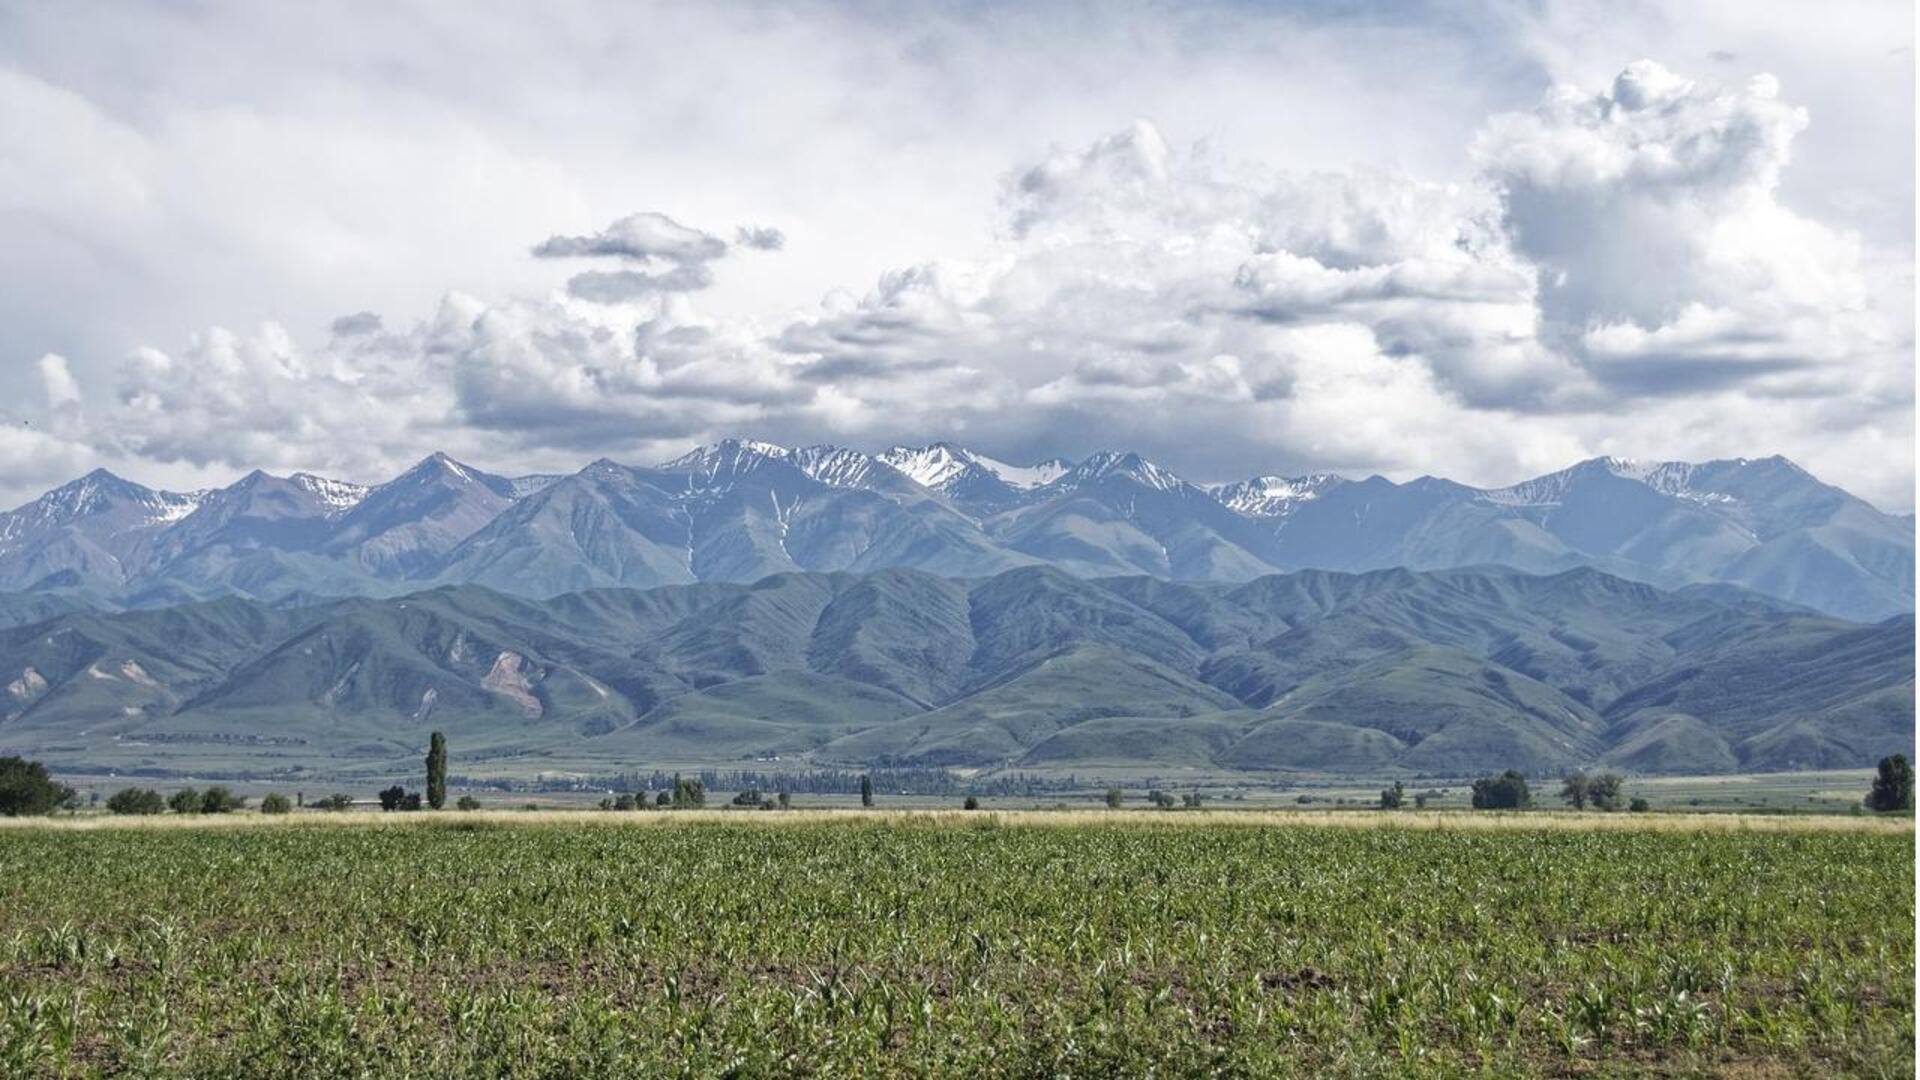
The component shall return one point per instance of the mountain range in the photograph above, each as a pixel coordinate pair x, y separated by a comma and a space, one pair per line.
739, 511
1442, 673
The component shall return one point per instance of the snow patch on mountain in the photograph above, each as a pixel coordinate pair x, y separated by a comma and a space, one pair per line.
1273, 496
335, 496
835, 466
1024, 477
933, 466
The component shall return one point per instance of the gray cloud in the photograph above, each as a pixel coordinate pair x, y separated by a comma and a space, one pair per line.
643, 237
618, 286
360, 322
672, 257
760, 237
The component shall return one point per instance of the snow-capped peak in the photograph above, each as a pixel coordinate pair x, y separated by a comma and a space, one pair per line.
101, 491
1273, 496
336, 496
106, 506
942, 464
1673, 478
932, 466
726, 450
1024, 477
835, 466
1115, 463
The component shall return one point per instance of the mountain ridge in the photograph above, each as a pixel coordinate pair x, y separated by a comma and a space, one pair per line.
738, 510
1388, 672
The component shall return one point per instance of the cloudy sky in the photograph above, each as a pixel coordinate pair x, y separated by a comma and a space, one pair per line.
1474, 241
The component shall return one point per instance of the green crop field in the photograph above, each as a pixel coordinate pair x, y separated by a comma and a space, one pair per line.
840, 945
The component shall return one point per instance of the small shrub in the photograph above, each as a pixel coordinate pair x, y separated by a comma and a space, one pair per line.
972, 803
1393, 798
1115, 797
219, 799
786, 800
337, 801
276, 804
184, 801
1638, 806
468, 802
136, 801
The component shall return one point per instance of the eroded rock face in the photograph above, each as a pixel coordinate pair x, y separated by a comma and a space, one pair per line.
27, 688
509, 678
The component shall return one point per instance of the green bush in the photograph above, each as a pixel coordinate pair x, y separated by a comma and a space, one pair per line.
220, 799
276, 804
1639, 806
136, 801
1508, 791
184, 801
688, 793
399, 798
468, 802
972, 803
1602, 791
1393, 798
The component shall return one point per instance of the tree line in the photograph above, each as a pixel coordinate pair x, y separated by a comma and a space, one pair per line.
27, 788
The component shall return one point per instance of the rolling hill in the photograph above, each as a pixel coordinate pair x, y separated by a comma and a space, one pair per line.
1389, 672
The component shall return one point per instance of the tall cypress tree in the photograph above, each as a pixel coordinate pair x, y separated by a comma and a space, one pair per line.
1892, 786
866, 790
437, 771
